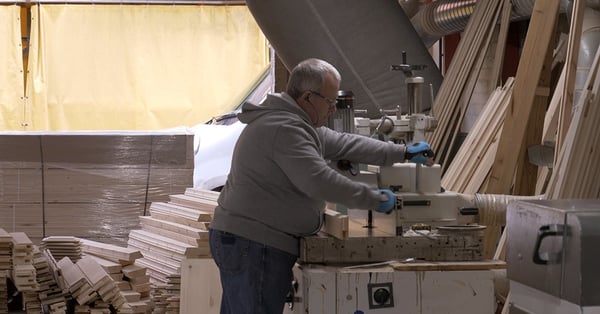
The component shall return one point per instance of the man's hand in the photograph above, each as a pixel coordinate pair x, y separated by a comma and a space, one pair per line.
420, 153
387, 201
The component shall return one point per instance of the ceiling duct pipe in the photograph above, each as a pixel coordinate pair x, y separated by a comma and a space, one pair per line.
445, 17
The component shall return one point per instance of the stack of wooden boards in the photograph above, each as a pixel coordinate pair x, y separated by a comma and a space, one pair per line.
5, 266
95, 278
174, 231
90, 185
99, 277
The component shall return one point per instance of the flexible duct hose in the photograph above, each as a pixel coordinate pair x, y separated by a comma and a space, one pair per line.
492, 207
444, 17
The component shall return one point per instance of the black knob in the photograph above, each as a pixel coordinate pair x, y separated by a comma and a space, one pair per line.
381, 296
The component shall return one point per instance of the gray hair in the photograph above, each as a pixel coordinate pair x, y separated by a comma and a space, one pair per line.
308, 76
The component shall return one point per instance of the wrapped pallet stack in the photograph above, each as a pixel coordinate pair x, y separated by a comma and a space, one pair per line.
89, 185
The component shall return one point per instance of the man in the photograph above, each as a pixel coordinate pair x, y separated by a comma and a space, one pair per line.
279, 183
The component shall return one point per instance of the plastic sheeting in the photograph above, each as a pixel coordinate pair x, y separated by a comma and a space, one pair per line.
89, 184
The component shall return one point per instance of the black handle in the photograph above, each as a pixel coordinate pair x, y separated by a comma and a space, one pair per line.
546, 231
469, 211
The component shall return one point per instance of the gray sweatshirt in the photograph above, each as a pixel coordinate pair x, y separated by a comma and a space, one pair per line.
280, 180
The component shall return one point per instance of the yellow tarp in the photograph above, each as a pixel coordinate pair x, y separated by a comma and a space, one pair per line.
11, 69
139, 67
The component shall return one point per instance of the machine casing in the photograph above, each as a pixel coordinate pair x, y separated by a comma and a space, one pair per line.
552, 247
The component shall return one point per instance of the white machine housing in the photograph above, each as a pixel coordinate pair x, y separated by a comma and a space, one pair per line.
421, 199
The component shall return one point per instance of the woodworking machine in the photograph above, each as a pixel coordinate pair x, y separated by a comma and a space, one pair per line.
364, 261
427, 223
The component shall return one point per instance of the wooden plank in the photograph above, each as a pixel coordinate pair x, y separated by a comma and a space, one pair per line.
449, 266
501, 43
110, 251
575, 174
537, 42
181, 220
335, 224
180, 211
566, 103
166, 244
195, 241
199, 233
526, 176
446, 103
193, 201
71, 274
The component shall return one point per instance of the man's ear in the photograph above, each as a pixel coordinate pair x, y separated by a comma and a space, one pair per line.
306, 95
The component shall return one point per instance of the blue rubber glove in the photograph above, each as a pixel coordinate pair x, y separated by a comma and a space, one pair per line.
419, 153
387, 201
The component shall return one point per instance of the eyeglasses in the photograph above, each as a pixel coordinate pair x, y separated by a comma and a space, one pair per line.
330, 101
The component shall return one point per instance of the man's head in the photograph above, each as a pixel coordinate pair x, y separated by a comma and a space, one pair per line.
314, 85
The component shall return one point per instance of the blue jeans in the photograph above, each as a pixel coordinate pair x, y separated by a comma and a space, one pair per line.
255, 278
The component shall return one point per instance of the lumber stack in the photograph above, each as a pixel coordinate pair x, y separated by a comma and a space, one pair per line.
3, 293
576, 172
74, 281
50, 294
174, 231
5, 250
23, 273
63, 246
90, 185
473, 161
459, 82
5, 267
130, 282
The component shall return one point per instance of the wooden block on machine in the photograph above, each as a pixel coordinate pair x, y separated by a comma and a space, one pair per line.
336, 224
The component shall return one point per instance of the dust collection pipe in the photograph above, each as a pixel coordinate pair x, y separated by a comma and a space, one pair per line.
444, 17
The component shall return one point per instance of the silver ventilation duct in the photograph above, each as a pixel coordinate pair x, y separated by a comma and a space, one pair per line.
444, 17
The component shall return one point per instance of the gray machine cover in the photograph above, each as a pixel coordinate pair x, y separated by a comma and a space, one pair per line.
553, 246
361, 38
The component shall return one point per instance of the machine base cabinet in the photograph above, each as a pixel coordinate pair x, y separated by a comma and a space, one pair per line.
528, 300
382, 290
